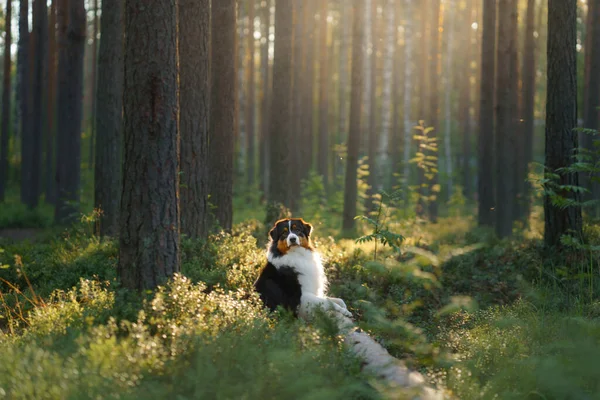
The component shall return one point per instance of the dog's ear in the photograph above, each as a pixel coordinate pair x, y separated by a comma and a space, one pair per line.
307, 229
273, 232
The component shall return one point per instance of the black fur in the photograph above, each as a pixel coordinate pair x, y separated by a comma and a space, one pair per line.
279, 287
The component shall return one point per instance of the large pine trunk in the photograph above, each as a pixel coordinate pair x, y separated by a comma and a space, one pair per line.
222, 111
149, 219
356, 90
24, 99
72, 23
109, 118
250, 102
323, 148
5, 102
194, 92
561, 118
94, 85
485, 140
280, 190
263, 163
527, 107
465, 99
505, 143
307, 126
49, 166
39, 87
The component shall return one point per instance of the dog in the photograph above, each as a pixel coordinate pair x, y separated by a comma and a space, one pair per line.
293, 277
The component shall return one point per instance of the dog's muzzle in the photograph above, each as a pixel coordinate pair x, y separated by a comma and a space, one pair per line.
292, 240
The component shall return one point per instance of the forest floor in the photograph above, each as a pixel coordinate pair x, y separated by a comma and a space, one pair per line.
481, 318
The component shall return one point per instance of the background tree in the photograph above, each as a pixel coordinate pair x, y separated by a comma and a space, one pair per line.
49, 160
24, 99
371, 105
251, 102
6, 92
280, 190
485, 182
433, 119
194, 95
265, 76
72, 32
561, 119
222, 111
94, 82
323, 147
354, 127
149, 219
109, 118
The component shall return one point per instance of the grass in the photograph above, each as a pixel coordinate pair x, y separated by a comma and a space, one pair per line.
482, 318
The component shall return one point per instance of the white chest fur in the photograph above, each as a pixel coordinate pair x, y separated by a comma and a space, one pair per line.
311, 274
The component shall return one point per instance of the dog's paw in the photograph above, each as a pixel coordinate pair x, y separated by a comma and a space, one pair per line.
342, 310
339, 302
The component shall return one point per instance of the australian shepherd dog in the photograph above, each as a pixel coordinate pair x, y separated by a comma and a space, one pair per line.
294, 277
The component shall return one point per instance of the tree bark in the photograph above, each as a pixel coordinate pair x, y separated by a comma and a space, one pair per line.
527, 106
265, 17
194, 92
72, 22
323, 148
49, 167
505, 139
448, 74
485, 150
280, 133
149, 219
356, 91
372, 107
561, 118
465, 102
409, 34
24, 98
250, 105
298, 99
94, 80
434, 51
5, 101
222, 110
109, 118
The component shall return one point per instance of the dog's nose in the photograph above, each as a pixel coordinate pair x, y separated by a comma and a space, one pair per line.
293, 239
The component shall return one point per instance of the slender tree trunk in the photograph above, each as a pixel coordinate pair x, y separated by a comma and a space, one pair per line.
465, 102
298, 98
149, 219
354, 129
485, 152
434, 51
383, 149
344, 88
222, 111
372, 143
448, 74
306, 149
409, 34
561, 118
528, 104
281, 129
194, 92
72, 20
515, 107
94, 79
592, 93
109, 118
323, 148
504, 138
5, 101
266, 90
49, 170
396, 144
24, 95
251, 107
240, 140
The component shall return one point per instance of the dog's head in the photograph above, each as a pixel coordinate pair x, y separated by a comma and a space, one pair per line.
290, 232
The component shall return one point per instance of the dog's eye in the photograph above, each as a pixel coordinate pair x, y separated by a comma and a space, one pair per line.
293, 227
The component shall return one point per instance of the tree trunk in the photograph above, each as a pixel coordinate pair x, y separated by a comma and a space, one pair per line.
372, 137
194, 92
281, 124
382, 164
94, 79
250, 106
306, 149
464, 118
504, 139
344, 89
24, 98
356, 90
485, 150
40, 75
265, 99
434, 51
409, 35
240, 138
298, 98
448, 74
72, 23
561, 118
323, 148
5, 102
592, 92
517, 138
222, 111
49, 167
149, 219
109, 118
527, 105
